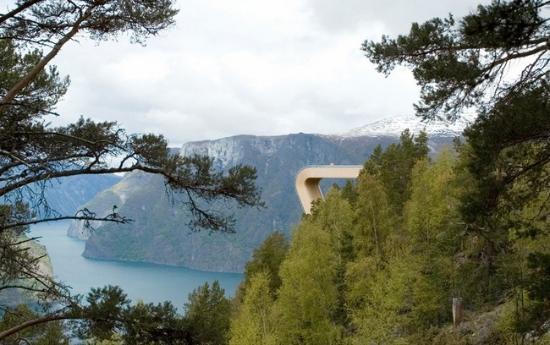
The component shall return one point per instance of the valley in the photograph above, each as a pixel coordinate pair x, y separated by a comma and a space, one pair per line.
160, 231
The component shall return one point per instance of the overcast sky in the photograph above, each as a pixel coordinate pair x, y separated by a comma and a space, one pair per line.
250, 67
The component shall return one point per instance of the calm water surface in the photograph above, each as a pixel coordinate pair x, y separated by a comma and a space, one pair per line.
146, 282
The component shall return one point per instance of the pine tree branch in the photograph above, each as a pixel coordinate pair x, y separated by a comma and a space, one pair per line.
38, 321
22, 287
33, 73
18, 10
120, 220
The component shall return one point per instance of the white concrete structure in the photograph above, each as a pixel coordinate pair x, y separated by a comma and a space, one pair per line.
307, 181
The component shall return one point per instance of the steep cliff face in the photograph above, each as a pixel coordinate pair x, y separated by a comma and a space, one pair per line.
160, 233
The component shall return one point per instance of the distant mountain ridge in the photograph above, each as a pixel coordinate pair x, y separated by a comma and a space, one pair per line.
67, 194
159, 233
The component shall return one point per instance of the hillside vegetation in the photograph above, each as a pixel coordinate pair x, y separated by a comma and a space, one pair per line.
160, 231
379, 262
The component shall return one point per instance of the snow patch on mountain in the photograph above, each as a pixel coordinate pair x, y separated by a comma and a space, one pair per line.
394, 126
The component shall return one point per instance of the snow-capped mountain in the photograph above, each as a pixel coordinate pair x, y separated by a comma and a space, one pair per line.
395, 125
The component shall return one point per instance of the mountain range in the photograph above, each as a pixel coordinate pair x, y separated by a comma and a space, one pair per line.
160, 233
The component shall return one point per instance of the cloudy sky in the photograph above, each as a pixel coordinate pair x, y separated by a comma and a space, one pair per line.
249, 67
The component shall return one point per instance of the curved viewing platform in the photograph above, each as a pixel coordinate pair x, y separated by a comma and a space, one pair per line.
307, 181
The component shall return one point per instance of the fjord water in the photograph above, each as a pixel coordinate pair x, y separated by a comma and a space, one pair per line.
141, 281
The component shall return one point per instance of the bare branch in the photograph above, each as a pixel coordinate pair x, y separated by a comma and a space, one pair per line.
30, 323
120, 220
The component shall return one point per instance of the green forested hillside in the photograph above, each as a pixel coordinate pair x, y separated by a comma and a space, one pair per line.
380, 261
160, 230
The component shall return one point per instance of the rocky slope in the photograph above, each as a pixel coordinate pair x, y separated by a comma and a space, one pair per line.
159, 232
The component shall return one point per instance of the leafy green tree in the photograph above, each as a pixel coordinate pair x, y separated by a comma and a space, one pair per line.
335, 215
393, 166
208, 314
254, 321
379, 299
148, 323
331, 227
456, 62
49, 334
431, 214
433, 225
266, 258
51, 24
375, 218
402, 287
462, 64
308, 296
54, 335
349, 192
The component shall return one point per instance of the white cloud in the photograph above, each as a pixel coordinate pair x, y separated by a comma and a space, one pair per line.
248, 67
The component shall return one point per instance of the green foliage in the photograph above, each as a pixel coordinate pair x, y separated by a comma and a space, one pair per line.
400, 283
267, 258
254, 321
393, 166
433, 226
308, 298
44, 334
378, 300
40, 96
431, 213
336, 217
376, 219
509, 147
208, 315
349, 191
109, 317
103, 312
